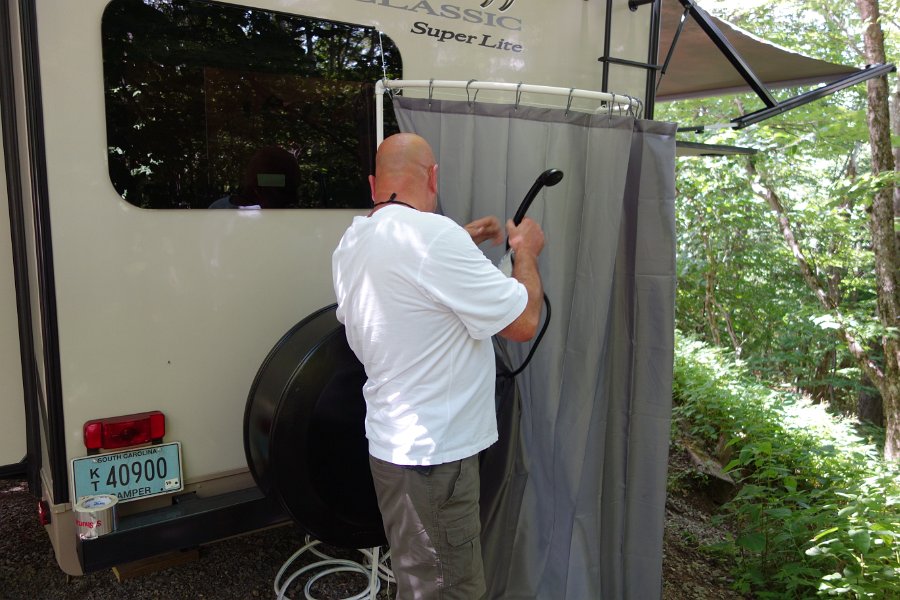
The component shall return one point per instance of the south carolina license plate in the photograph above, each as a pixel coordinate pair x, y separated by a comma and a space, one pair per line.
129, 474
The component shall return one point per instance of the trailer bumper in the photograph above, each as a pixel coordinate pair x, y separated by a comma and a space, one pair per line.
189, 523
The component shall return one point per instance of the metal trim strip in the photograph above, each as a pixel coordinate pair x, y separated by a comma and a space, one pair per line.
37, 164
13, 165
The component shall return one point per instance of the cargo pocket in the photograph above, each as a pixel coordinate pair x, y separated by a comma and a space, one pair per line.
463, 530
463, 567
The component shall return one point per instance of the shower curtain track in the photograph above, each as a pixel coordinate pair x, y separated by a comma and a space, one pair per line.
610, 101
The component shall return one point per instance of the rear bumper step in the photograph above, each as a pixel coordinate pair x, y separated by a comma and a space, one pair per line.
191, 522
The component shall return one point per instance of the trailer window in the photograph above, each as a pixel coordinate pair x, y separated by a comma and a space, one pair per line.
213, 105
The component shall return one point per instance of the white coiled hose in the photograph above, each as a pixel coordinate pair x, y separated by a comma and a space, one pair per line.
374, 568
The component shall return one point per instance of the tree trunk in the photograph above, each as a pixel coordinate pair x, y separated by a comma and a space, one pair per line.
884, 240
709, 300
869, 406
894, 109
821, 391
711, 307
880, 377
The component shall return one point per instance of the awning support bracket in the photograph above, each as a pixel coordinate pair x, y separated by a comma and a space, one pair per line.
718, 38
870, 72
671, 51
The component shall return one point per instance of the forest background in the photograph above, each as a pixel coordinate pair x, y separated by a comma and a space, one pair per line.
777, 253
788, 302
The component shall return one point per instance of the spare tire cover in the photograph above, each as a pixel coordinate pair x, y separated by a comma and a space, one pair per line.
304, 434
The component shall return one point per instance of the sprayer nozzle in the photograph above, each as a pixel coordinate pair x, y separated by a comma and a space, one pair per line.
551, 177
547, 178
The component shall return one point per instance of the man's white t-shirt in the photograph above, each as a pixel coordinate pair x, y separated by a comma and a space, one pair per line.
420, 303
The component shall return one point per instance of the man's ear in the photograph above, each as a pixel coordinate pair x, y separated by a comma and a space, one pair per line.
433, 179
372, 186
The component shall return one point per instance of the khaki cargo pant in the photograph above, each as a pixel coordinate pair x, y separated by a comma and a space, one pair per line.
432, 524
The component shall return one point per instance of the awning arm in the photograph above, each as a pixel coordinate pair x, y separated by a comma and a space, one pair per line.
870, 72
718, 38
691, 149
665, 66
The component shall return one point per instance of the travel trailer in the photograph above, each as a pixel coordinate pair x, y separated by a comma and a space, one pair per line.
144, 332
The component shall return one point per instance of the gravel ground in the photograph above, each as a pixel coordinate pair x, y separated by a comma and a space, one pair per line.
239, 568
245, 568
690, 573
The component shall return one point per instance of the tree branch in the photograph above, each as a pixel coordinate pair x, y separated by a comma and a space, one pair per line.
857, 350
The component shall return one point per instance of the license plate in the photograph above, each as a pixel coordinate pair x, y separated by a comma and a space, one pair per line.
129, 474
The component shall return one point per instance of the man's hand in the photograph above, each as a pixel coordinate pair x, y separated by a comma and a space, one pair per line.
527, 237
527, 240
485, 228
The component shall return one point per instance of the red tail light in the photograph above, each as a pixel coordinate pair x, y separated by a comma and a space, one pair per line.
43, 512
127, 430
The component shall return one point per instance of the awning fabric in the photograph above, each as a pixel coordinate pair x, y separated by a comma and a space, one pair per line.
699, 69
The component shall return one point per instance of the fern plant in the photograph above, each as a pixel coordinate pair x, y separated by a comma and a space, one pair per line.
818, 511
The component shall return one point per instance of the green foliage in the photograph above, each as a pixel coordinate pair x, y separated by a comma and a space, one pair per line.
739, 282
818, 511
735, 271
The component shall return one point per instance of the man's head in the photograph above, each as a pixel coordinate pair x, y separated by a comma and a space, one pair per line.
405, 165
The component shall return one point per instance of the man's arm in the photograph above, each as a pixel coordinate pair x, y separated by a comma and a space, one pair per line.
527, 241
525, 270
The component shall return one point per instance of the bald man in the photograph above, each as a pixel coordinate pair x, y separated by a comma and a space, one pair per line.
420, 303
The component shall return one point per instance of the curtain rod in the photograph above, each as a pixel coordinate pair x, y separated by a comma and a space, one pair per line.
384, 85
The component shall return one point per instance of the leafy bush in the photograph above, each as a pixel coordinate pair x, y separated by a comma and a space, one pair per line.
818, 511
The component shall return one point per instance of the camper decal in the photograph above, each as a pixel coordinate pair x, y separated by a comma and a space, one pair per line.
506, 4
454, 12
484, 40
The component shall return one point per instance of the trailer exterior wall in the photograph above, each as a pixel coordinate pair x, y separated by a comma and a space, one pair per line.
12, 425
173, 310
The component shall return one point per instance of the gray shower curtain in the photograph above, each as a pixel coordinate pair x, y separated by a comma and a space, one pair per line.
573, 496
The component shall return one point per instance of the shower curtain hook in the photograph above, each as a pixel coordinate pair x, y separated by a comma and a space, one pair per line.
518, 94
387, 90
611, 105
569, 103
430, 90
473, 98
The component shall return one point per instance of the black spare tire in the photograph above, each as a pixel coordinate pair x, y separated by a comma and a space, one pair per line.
304, 434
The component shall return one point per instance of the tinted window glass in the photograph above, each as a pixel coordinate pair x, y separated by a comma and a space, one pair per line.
213, 104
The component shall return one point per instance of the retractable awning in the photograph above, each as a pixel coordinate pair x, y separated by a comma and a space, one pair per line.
702, 56
698, 68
